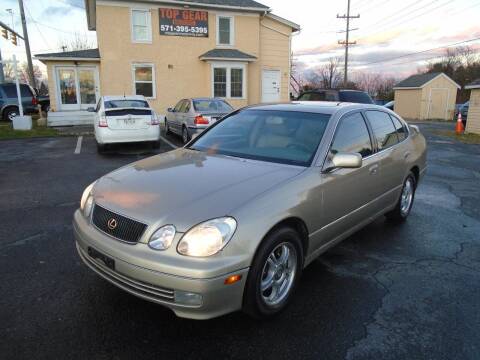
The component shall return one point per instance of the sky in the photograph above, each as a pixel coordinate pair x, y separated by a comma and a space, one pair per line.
388, 31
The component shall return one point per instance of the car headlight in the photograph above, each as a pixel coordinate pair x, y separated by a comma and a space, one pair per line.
207, 238
86, 203
162, 238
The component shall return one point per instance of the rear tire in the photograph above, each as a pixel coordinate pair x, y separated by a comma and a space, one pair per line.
156, 144
274, 274
405, 202
10, 113
101, 148
167, 128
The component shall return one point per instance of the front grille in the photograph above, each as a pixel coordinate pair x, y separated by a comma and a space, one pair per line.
125, 229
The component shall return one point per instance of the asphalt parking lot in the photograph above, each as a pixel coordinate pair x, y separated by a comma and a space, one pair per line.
409, 291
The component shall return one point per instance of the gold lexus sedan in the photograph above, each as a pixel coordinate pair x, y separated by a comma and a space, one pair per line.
230, 221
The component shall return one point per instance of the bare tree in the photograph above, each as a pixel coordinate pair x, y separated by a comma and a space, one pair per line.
77, 42
330, 73
376, 85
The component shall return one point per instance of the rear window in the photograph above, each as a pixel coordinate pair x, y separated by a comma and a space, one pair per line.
125, 103
11, 90
358, 97
124, 112
313, 96
211, 106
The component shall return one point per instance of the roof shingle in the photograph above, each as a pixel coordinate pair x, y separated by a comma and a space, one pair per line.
417, 80
235, 3
227, 54
83, 54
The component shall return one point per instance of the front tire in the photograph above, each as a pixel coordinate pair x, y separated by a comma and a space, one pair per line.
185, 135
404, 205
101, 148
274, 274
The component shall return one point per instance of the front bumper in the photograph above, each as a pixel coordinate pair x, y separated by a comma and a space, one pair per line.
162, 288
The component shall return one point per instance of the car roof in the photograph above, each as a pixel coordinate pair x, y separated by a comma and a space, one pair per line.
124, 97
321, 107
207, 98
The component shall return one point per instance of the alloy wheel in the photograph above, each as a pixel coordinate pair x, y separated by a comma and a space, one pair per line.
278, 274
407, 197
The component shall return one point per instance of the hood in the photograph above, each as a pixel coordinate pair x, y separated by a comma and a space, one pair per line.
185, 187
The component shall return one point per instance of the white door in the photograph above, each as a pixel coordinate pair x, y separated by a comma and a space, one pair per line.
270, 86
77, 87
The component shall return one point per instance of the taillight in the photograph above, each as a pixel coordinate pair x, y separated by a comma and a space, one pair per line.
200, 120
34, 101
154, 119
103, 120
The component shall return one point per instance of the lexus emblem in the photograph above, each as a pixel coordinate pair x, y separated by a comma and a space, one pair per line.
112, 224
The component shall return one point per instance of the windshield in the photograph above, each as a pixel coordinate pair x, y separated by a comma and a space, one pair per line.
286, 137
125, 103
358, 97
211, 106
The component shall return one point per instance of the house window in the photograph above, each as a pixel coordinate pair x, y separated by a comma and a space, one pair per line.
141, 26
225, 32
144, 80
236, 83
229, 81
220, 82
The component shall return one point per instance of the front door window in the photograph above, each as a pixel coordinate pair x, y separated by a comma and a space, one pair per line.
86, 80
77, 87
68, 88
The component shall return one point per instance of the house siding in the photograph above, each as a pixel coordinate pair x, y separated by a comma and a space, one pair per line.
473, 117
275, 41
178, 71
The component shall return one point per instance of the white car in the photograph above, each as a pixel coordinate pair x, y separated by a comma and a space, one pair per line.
124, 119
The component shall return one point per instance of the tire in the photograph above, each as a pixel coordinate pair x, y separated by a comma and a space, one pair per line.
185, 135
10, 113
167, 128
156, 144
262, 304
405, 202
101, 148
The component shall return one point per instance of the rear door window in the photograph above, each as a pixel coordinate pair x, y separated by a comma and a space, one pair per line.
383, 129
352, 136
401, 130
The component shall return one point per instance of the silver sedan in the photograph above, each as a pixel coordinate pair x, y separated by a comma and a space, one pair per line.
230, 221
192, 116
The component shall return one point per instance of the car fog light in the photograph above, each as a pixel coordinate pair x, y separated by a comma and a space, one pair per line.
162, 238
188, 298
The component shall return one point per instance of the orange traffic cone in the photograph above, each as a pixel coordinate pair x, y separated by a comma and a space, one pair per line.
459, 129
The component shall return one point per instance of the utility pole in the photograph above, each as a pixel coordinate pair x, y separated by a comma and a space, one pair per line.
347, 42
31, 76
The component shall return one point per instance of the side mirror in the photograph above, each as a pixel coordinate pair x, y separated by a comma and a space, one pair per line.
344, 161
91, 109
171, 110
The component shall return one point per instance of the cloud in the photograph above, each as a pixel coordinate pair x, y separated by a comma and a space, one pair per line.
56, 11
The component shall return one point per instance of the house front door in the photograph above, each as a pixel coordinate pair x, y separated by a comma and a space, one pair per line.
77, 87
270, 86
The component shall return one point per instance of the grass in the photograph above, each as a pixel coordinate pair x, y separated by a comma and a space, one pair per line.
464, 138
7, 132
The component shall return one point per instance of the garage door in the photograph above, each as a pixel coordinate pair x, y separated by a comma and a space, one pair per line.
438, 104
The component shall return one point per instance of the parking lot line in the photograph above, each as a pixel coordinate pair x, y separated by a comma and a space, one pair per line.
78, 148
168, 142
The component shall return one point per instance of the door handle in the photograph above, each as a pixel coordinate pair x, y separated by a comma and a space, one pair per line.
406, 155
373, 169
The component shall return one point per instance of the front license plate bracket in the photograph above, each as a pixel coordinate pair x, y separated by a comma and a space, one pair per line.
95, 254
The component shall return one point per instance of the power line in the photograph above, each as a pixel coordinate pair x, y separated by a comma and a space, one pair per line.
40, 32
421, 52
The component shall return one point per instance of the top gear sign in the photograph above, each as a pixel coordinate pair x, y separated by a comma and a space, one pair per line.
177, 22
